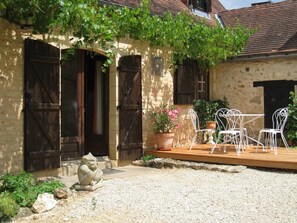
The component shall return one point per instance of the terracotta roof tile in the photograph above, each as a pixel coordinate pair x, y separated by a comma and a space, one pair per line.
275, 24
159, 7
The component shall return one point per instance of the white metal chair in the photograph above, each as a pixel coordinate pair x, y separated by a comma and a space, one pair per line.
195, 120
237, 125
279, 119
228, 128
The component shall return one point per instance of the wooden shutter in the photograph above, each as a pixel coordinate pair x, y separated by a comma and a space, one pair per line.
190, 82
208, 5
130, 108
42, 106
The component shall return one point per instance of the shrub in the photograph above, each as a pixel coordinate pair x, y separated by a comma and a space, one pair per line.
8, 207
291, 126
147, 158
24, 188
206, 110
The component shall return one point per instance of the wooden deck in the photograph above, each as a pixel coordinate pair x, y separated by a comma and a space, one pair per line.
283, 160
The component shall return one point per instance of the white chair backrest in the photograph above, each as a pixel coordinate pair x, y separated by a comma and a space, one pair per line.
222, 118
279, 118
234, 118
228, 119
195, 119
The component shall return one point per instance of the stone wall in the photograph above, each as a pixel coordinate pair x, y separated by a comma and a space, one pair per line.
11, 98
156, 89
234, 80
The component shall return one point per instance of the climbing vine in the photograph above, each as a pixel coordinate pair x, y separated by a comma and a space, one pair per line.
89, 22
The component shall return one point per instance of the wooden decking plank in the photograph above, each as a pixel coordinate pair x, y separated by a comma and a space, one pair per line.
284, 159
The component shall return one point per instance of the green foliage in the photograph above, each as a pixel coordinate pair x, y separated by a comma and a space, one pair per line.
24, 189
89, 22
8, 207
147, 158
12, 183
291, 126
206, 110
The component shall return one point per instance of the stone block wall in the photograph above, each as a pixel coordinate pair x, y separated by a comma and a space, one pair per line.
234, 81
11, 98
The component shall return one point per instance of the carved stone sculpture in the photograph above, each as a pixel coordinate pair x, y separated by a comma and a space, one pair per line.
89, 175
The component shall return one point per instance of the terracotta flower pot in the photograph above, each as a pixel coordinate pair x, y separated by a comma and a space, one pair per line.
211, 125
164, 141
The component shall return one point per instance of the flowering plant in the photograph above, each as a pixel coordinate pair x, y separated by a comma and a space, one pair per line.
165, 119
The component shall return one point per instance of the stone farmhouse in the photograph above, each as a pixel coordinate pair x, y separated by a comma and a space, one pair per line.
52, 112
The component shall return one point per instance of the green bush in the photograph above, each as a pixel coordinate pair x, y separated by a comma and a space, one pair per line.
8, 207
12, 183
206, 110
291, 126
25, 190
147, 158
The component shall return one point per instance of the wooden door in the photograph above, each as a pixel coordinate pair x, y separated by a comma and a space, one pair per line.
72, 107
276, 95
275, 98
96, 105
130, 108
42, 106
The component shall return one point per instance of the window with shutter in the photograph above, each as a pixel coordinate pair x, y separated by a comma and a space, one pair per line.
190, 82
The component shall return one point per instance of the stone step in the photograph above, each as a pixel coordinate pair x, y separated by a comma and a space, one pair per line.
69, 168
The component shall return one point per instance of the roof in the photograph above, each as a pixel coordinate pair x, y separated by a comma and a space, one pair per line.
159, 7
275, 24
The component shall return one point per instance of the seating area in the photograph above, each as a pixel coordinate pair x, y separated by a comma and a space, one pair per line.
234, 144
231, 130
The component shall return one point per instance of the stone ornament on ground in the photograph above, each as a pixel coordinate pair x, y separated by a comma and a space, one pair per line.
89, 175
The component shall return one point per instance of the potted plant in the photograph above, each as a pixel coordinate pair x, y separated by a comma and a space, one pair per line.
207, 111
165, 121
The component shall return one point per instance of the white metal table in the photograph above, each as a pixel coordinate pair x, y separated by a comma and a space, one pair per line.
245, 119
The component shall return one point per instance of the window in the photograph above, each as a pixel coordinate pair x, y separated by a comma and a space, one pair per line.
190, 82
202, 5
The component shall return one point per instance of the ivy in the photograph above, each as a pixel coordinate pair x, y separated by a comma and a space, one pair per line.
89, 22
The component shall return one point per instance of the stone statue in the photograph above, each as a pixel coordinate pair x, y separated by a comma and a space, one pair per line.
88, 172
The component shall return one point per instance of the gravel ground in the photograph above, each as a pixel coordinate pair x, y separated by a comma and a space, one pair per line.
184, 195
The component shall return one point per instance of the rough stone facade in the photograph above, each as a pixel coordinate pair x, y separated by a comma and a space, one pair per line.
234, 81
11, 98
156, 89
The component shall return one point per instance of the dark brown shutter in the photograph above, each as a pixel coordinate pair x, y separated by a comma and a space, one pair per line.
130, 108
190, 82
208, 5
42, 106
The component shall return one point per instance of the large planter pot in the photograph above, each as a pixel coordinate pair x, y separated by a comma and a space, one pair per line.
164, 141
211, 125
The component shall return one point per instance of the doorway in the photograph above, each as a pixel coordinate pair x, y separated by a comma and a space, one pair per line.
276, 95
84, 104
96, 105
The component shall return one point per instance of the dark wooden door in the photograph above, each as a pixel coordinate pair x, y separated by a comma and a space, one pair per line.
42, 106
96, 105
72, 107
276, 95
130, 108
275, 98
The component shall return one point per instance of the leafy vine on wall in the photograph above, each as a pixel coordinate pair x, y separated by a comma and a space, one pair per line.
89, 22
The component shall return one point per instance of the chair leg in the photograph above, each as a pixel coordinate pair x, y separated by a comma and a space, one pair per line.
193, 140
274, 139
215, 145
259, 138
285, 141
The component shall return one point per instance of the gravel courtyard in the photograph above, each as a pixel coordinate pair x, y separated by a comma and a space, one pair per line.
183, 195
